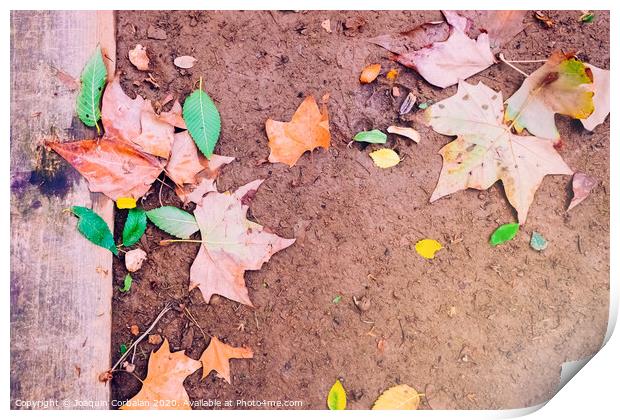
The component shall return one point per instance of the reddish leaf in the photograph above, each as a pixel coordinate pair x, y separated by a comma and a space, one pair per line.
157, 135
582, 186
120, 114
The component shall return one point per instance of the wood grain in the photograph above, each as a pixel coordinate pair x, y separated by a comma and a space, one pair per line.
61, 284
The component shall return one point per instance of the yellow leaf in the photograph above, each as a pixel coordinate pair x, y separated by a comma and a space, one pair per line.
427, 248
370, 73
337, 397
392, 75
126, 203
385, 158
399, 397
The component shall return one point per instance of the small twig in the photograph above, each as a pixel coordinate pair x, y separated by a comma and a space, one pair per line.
525, 61
501, 57
193, 319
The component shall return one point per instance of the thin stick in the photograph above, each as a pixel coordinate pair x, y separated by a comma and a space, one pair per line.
135, 343
501, 57
165, 242
525, 61
193, 319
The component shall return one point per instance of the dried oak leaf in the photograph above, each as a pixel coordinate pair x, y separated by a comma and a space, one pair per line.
231, 244
307, 130
138, 57
486, 150
563, 85
217, 357
601, 98
111, 166
164, 381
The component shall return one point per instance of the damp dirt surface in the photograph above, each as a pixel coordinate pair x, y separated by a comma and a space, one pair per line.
476, 328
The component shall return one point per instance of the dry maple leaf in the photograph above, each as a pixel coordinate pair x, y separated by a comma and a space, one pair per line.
307, 130
231, 244
563, 85
156, 135
601, 98
174, 116
217, 357
163, 387
501, 25
485, 150
138, 57
120, 115
112, 167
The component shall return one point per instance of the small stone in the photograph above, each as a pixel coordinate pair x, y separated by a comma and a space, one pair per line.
395, 91
129, 367
134, 259
156, 33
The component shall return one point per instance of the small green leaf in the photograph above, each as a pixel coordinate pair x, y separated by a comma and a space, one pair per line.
94, 228
423, 105
337, 299
372, 136
123, 348
135, 225
126, 283
587, 18
203, 120
504, 233
92, 81
337, 397
538, 242
174, 221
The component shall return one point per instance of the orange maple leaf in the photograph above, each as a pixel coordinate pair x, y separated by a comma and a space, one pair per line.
217, 357
163, 387
307, 130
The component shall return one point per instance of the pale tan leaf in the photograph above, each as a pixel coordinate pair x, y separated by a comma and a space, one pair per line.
185, 62
139, 58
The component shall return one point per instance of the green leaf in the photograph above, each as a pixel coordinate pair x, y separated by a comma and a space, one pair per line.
337, 397
373, 136
337, 299
587, 18
174, 221
504, 233
203, 120
94, 228
538, 242
135, 225
123, 348
126, 283
92, 80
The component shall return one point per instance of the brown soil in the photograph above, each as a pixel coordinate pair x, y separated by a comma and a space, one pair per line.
477, 327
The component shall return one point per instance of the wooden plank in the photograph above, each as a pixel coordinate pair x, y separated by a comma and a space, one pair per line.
61, 284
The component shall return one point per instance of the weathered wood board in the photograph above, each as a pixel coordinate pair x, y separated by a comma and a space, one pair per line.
61, 284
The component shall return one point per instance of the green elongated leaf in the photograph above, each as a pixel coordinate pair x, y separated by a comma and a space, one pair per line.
372, 136
173, 221
135, 225
203, 120
126, 283
92, 81
94, 228
504, 233
337, 397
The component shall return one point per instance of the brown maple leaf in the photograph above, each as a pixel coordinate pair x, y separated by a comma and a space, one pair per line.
120, 115
307, 130
156, 135
163, 387
217, 357
231, 244
174, 116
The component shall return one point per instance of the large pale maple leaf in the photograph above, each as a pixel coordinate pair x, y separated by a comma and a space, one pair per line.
217, 357
231, 244
486, 150
163, 387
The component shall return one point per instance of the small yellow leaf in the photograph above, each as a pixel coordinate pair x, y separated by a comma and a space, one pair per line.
427, 248
126, 203
385, 158
392, 75
399, 397
370, 73
337, 397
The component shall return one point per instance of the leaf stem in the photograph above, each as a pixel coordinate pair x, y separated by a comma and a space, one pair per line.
501, 57
165, 242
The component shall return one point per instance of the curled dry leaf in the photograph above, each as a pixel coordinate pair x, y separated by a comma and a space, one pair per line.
307, 130
485, 150
582, 186
139, 58
185, 62
134, 259
408, 132
231, 244
164, 381
217, 357
370, 73
407, 104
399, 397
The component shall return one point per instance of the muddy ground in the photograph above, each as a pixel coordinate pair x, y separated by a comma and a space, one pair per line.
477, 327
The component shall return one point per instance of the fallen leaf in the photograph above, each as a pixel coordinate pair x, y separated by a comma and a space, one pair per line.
123, 348
586, 17
326, 24
94, 228
92, 81
307, 130
134, 259
582, 186
120, 114
66, 79
385, 158
139, 58
408, 132
370, 73
203, 120
112, 167
126, 203
392, 75
185, 61
231, 244
174, 117
504, 233
173, 221
155, 339
372, 136
217, 357
485, 150
538, 242
127, 281
601, 97
395, 91
337, 299
337, 397
563, 85
545, 20
135, 330
163, 387
134, 227
501, 25
407, 104
156, 136
427, 248
399, 397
